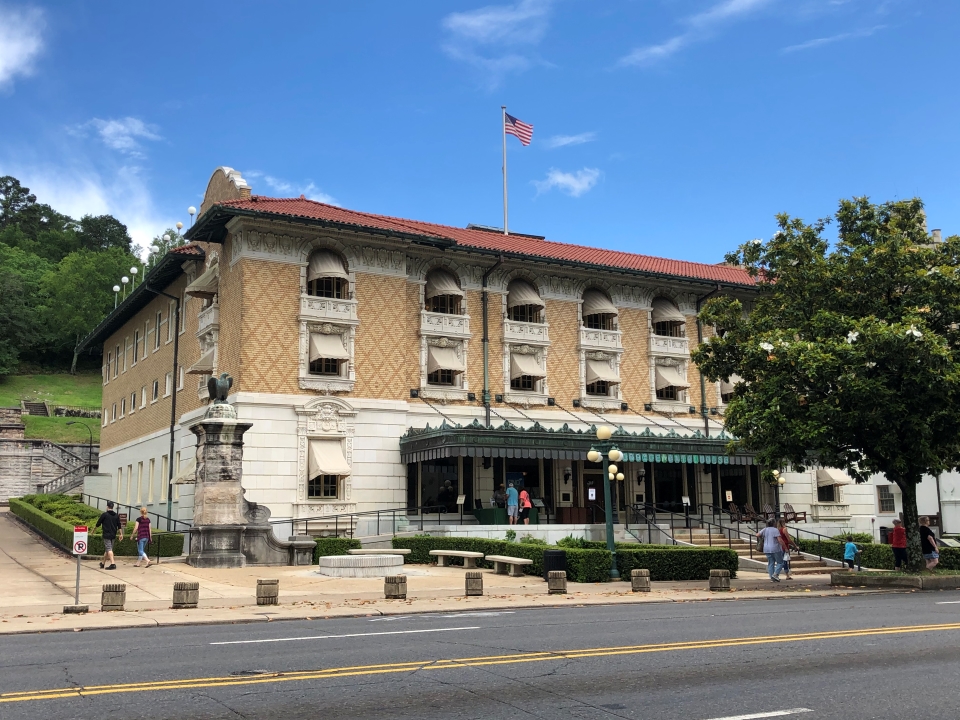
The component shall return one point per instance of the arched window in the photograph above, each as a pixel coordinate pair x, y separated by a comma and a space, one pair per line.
326, 275
598, 312
667, 319
524, 303
442, 294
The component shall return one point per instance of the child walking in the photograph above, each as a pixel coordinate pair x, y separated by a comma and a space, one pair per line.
144, 535
850, 551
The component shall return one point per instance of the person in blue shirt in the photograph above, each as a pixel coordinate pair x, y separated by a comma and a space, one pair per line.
513, 504
850, 551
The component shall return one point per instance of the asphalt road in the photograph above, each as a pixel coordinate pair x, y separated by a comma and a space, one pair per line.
878, 656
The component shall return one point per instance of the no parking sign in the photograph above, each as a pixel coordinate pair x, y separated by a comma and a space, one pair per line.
79, 539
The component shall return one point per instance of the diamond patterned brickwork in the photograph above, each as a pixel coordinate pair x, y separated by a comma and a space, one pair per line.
635, 360
269, 351
231, 306
387, 343
713, 395
693, 374
563, 363
495, 329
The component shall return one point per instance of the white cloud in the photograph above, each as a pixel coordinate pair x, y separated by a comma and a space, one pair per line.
564, 140
574, 184
21, 41
288, 189
820, 42
700, 27
498, 39
122, 134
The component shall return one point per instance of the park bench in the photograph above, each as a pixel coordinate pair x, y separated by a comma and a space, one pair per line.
469, 558
382, 551
506, 565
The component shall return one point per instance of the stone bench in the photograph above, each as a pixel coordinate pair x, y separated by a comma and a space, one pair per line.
392, 551
506, 565
469, 558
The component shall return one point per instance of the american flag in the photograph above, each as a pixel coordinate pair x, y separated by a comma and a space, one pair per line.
521, 130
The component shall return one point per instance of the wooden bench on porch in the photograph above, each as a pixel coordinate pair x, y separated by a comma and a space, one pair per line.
506, 565
469, 558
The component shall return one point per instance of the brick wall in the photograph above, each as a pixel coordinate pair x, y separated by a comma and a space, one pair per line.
635, 361
474, 299
563, 363
387, 342
231, 293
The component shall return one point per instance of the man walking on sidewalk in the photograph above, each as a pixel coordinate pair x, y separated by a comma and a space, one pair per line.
110, 522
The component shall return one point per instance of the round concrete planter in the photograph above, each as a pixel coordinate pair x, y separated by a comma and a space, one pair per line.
357, 566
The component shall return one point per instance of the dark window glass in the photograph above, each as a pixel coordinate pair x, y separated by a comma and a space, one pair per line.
827, 493
324, 366
600, 387
525, 313
323, 487
667, 393
440, 377
524, 382
331, 287
598, 322
412, 485
668, 329
887, 502
446, 304
439, 483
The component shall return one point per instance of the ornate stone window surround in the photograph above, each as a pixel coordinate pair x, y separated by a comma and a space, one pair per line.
607, 347
536, 341
444, 331
325, 418
667, 351
327, 316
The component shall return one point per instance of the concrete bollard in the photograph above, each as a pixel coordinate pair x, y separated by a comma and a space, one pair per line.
640, 580
557, 582
474, 582
719, 580
112, 597
395, 587
186, 595
268, 592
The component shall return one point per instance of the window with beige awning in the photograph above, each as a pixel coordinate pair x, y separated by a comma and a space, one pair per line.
668, 376
327, 346
443, 358
325, 263
520, 292
203, 366
832, 476
597, 303
666, 311
440, 282
207, 285
600, 370
326, 458
521, 365
726, 386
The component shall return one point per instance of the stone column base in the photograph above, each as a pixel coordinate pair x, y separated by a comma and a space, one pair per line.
217, 546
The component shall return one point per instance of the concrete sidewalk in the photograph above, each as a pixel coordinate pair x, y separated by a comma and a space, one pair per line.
38, 581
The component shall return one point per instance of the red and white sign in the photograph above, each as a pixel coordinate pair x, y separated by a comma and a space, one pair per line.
80, 540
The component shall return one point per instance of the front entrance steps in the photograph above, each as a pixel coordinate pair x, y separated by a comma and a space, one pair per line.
800, 563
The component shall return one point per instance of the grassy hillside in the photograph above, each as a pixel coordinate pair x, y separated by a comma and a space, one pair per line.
61, 389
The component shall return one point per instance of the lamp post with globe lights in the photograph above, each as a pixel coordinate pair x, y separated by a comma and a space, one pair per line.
124, 280
133, 272
778, 482
116, 293
609, 453
192, 211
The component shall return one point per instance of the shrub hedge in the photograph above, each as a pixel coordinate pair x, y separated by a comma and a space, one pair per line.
671, 562
875, 556
333, 546
60, 532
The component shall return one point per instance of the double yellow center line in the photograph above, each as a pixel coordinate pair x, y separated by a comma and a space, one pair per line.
424, 665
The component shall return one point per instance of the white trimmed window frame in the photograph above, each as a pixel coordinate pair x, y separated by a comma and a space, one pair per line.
609, 352
451, 331
536, 343
325, 418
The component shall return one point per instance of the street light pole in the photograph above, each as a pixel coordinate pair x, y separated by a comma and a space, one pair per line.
89, 444
778, 481
607, 451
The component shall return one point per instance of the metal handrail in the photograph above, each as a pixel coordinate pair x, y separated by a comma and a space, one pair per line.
723, 532
349, 519
85, 497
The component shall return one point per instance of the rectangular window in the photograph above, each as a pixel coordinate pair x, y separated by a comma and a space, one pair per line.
109, 363
600, 387
183, 311
827, 493
164, 477
116, 362
126, 349
599, 321
139, 482
667, 393
129, 481
447, 304
168, 384
156, 391
133, 402
524, 382
171, 314
323, 487
176, 471
150, 469
105, 416
324, 366
119, 482
143, 396
136, 346
156, 332
123, 407
668, 329
885, 496
180, 380
525, 313
440, 377
330, 287
114, 416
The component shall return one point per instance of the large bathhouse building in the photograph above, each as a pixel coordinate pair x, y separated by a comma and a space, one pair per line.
362, 348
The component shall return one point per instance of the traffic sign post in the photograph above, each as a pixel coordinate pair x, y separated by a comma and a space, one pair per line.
80, 539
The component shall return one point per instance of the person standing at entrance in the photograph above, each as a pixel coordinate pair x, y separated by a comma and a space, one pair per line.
143, 535
772, 548
500, 497
513, 502
928, 543
898, 541
525, 506
110, 522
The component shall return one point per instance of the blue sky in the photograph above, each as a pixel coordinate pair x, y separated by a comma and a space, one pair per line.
670, 127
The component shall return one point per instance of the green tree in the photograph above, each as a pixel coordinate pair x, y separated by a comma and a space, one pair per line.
102, 232
850, 356
14, 198
21, 274
160, 247
78, 295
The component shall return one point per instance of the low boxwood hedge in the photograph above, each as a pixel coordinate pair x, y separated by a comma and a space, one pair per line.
333, 546
673, 562
875, 556
60, 532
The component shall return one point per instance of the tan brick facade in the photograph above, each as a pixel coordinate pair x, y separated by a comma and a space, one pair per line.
635, 361
563, 362
387, 343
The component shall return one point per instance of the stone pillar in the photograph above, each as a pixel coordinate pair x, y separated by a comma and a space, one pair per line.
474, 583
395, 587
113, 597
186, 595
268, 592
640, 580
557, 582
219, 521
719, 580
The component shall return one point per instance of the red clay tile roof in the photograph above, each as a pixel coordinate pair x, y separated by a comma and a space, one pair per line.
188, 249
471, 238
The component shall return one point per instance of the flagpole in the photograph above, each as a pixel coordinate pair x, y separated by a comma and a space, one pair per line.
503, 127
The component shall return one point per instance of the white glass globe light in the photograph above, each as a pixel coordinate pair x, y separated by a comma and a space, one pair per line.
593, 456
166, 238
615, 455
124, 279
179, 225
619, 476
612, 469
604, 433
192, 210
116, 288
133, 271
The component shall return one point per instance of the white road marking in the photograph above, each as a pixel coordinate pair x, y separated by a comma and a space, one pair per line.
949, 602
773, 713
351, 635
391, 618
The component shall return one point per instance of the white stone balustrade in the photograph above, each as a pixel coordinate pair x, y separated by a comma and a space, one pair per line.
591, 339
525, 332
441, 324
208, 319
675, 346
324, 309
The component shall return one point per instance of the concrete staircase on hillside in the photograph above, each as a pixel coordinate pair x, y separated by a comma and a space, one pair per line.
799, 565
35, 408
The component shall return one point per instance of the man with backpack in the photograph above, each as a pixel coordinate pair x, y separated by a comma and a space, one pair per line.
110, 522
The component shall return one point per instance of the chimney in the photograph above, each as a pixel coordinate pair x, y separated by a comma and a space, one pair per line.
937, 236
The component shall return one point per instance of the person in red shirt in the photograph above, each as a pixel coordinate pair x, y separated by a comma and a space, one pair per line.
525, 505
898, 541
